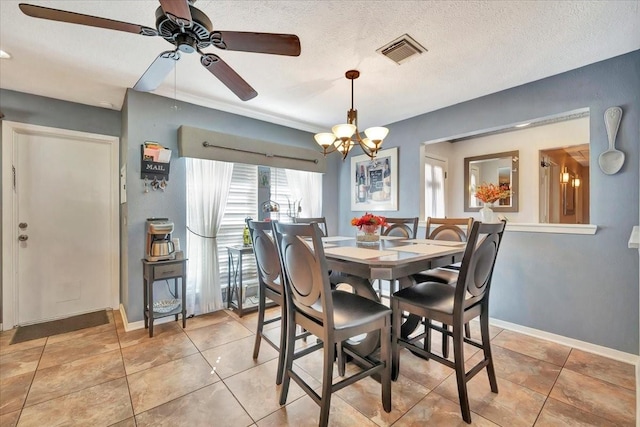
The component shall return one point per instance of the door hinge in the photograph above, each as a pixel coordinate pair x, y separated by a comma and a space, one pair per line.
13, 170
445, 175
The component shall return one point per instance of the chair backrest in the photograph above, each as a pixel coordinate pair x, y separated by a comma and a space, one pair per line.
404, 227
306, 276
266, 254
448, 229
321, 221
476, 271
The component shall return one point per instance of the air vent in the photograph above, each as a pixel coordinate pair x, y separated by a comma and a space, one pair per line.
401, 49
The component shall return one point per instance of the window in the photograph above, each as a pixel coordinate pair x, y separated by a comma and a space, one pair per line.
243, 202
435, 173
281, 194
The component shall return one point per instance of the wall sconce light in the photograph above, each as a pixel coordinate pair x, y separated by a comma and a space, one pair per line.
564, 176
575, 182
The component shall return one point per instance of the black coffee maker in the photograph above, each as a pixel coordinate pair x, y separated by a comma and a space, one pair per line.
159, 246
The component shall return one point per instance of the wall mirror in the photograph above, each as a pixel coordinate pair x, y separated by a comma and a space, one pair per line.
564, 185
499, 169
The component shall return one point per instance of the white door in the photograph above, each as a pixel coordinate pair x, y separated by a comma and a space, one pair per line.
64, 226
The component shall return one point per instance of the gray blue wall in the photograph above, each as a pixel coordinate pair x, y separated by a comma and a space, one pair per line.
148, 117
582, 287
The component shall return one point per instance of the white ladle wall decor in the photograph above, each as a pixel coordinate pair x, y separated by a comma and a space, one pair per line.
611, 161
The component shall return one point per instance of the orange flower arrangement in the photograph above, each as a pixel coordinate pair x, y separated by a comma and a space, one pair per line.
489, 193
368, 221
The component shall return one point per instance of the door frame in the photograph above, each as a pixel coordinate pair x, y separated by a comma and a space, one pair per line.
10, 212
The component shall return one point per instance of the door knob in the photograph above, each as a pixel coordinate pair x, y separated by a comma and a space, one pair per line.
23, 237
22, 225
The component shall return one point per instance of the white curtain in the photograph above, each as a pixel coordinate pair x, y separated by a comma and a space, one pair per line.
208, 184
308, 187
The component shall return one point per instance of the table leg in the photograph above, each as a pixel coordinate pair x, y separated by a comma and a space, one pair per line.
145, 302
239, 288
184, 300
175, 292
411, 322
229, 293
150, 285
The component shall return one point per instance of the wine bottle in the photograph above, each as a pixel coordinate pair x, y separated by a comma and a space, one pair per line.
362, 189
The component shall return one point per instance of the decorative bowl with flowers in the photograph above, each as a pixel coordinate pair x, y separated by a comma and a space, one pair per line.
490, 193
368, 228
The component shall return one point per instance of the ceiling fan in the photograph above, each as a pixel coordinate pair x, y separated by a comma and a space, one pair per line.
189, 30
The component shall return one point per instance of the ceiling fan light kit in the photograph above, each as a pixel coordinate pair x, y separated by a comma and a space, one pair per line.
189, 30
341, 138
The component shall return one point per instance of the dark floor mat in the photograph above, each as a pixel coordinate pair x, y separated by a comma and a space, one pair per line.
61, 326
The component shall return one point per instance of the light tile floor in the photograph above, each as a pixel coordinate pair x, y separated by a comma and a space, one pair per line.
205, 375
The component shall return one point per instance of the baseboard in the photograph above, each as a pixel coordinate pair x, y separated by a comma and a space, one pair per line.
140, 323
570, 342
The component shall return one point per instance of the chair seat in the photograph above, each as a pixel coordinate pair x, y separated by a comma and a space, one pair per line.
351, 310
441, 275
430, 295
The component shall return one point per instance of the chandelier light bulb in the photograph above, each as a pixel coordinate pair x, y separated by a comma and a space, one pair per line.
325, 139
345, 147
376, 134
344, 131
369, 143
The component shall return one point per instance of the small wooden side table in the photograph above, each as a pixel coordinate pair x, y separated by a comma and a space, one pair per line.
161, 270
234, 279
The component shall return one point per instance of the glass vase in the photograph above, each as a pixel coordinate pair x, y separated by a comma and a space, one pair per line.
486, 213
368, 235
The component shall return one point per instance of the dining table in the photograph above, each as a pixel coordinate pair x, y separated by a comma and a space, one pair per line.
394, 259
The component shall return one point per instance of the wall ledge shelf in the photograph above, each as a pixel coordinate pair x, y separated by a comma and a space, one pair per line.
634, 239
551, 228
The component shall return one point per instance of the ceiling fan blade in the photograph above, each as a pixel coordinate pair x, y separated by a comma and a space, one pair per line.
177, 11
228, 76
276, 44
78, 18
157, 71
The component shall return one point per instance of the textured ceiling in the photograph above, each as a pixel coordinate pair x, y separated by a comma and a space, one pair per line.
474, 48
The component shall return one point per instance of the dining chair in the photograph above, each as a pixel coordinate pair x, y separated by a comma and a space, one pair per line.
448, 229
401, 227
334, 316
270, 286
321, 221
455, 306
398, 227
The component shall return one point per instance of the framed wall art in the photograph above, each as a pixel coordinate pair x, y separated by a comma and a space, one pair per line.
374, 183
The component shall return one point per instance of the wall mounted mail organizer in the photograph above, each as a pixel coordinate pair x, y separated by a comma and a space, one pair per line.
155, 166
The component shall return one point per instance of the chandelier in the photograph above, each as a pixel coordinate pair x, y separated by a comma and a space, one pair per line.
343, 137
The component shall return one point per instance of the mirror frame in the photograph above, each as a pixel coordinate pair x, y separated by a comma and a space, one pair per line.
515, 165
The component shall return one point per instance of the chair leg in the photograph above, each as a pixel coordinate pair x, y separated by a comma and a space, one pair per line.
261, 310
327, 377
290, 345
445, 342
395, 335
486, 347
467, 330
458, 359
385, 357
283, 345
340, 359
